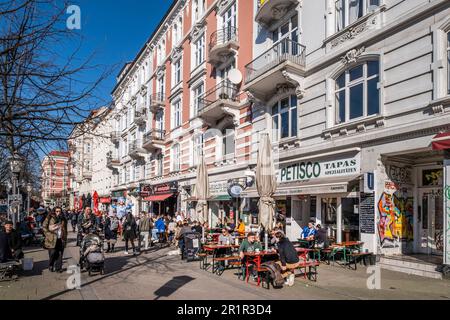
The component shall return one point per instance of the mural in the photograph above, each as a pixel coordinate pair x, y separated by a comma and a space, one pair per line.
396, 216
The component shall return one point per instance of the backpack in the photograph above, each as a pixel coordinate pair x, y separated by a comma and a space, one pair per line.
275, 273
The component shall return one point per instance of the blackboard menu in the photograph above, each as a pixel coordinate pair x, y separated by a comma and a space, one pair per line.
367, 213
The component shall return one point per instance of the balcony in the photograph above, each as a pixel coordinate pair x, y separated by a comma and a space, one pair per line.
112, 162
154, 140
157, 102
284, 63
136, 151
222, 45
115, 137
140, 117
87, 175
271, 11
219, 101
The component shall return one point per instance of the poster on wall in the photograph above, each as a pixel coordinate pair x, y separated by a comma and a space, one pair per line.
367, 213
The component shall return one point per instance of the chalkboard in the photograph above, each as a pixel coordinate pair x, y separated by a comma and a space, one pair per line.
367, 213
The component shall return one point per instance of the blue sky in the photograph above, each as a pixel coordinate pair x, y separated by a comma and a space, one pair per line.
115, 31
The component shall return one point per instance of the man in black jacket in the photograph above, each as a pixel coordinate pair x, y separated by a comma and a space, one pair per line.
289, 259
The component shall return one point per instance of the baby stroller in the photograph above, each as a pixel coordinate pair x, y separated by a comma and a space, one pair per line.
92, 257
8, 271
192, 244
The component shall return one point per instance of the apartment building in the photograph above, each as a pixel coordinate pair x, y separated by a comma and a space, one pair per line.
356, 96
180, 97
55, 179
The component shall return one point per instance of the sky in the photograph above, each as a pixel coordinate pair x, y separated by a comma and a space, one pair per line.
115, 31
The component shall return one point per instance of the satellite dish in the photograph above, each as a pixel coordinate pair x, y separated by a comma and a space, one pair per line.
235, 76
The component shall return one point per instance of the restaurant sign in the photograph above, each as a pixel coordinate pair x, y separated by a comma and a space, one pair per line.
311, 170
219, 188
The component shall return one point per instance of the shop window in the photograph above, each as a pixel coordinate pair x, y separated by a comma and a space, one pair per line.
329, 215
284, 119
350, 215
349, 11
357, 93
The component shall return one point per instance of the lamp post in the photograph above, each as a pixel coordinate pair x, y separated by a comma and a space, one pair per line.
16, 165
29, 190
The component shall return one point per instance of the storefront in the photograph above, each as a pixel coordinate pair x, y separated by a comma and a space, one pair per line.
162, 199
105, 203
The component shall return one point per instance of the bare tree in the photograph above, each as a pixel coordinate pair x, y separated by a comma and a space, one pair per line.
42, 96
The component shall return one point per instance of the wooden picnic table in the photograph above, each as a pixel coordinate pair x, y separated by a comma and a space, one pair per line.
344, 247
255, 258
214, 248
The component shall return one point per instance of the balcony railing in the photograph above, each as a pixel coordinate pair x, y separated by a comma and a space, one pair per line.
223, 36
139, 117
285, 50
115, 136
157, 101
135, 146
223, 91
154, 134
112, 160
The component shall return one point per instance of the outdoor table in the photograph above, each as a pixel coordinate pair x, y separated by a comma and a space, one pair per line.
307, 243
344, 246
213, 248
254, 258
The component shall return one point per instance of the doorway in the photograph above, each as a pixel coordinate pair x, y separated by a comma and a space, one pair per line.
431, 222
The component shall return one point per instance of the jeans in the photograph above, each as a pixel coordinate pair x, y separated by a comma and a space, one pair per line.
146, 236
132, 245
56, 256
155, 234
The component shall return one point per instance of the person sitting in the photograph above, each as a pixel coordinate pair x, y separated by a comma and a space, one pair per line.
241, 228
321, 237
289, 259
14, 240
225, 238
309, 232
249, 245
196, 227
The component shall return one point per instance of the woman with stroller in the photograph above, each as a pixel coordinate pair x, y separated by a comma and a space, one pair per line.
129, 232
111, 231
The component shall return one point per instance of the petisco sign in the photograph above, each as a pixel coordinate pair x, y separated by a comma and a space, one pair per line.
310, 170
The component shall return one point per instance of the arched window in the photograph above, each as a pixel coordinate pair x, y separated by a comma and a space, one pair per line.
228, 142
357, 92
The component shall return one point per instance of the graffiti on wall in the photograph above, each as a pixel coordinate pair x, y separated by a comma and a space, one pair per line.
395, 221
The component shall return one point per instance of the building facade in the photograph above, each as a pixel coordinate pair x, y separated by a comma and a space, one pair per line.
55, 179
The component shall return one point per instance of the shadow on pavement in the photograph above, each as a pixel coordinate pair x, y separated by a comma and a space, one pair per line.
172, 286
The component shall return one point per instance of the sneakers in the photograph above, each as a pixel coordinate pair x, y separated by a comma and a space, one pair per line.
126, 253
291, 280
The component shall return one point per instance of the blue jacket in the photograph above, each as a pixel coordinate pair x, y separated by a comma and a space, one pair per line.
160, 225
307, 232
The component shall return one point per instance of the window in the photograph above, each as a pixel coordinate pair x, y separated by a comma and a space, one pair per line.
228, 142
198, 8
137, 172
88, 148
177, 73
199, 54
357, 94
176, 114
159, 165
198, 92
284, 118
127, 174
448, 62
176, 155
283, 36
130, 116
161, 86
197, 148
161, 52
348, 11
177, 31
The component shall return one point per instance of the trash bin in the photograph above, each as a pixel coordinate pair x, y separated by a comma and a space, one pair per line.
27, 264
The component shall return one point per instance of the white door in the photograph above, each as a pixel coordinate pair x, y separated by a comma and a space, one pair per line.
229, 23
431, 222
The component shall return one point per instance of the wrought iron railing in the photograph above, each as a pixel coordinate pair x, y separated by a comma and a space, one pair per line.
157, 98
285, 50
135, 145
223, 36
154, 134
225, 90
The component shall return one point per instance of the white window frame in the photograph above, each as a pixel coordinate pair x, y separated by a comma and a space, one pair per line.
177, 114
197, 145
199, 51
196, 95
175, 158
161, 84
367, 7
278, 116
364, 80
177, 72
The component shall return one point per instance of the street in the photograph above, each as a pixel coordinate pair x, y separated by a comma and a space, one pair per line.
157, 276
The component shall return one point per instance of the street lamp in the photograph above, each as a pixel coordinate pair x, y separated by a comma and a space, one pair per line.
29, 190
16, 163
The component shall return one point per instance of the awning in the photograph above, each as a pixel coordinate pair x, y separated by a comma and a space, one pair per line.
158, 198
221, 198
311, 187
441, 141
105, 200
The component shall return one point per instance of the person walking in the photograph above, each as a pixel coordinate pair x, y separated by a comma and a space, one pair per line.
74, 221
129, 232
55, 231
111, 230
144, 230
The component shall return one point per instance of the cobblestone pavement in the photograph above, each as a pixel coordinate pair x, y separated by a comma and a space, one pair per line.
155, 275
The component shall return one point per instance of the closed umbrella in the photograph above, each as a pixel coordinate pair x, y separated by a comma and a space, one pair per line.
96, 199
266, 183
202, 191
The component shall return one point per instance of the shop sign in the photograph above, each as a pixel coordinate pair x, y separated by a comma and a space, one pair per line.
218, 188
146, 190
367, 213
166, 188
311, 170
433, 178
235, 190
119, 194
